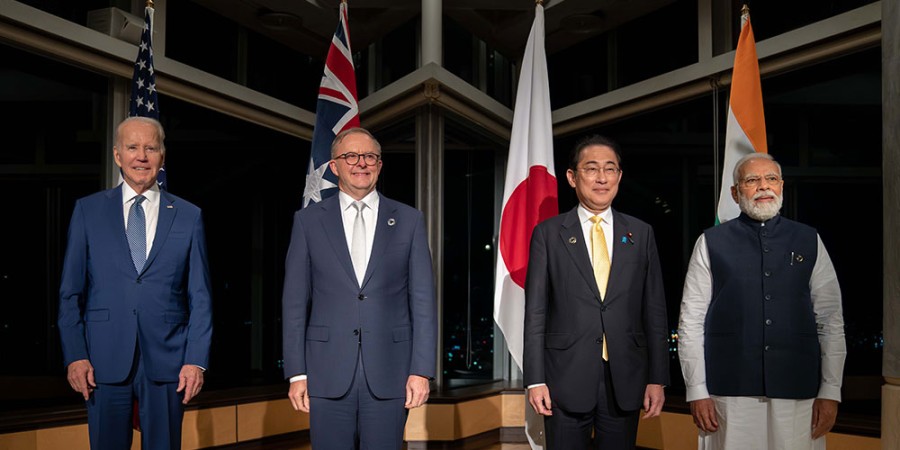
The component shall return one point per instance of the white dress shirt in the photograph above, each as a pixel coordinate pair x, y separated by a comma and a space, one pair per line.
826, 300
151, 209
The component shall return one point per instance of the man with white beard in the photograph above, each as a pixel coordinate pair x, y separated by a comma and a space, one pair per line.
761, 332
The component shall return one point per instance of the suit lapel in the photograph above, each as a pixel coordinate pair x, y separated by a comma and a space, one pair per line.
572, 236
383, 235
167, 212
333, 224
616, 270
115, 216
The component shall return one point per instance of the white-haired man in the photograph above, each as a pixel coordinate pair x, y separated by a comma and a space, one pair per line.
761, 332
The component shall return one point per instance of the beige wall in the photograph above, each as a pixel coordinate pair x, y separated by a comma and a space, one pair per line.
433, 422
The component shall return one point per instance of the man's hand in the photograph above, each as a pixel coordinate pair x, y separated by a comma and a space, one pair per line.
539, 397
654, 397
299, 396
417, 389
81, 377
704, 412
190, 380
823, 416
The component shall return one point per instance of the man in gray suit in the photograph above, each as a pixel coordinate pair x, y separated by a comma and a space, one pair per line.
595, 313
360, 327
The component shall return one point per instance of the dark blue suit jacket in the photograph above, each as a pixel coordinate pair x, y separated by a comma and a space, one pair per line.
328, 318
565, 318
106, 307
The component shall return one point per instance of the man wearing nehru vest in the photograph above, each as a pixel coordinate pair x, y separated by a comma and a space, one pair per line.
135, 314
761, 333
359, 312
596, 347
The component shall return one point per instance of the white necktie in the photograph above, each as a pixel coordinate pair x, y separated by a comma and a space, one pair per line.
358, 242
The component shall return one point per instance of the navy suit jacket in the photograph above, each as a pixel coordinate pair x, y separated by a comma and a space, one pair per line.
328, 318
565, 319
106, 307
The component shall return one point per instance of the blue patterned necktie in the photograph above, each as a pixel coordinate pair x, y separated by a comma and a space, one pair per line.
137, 233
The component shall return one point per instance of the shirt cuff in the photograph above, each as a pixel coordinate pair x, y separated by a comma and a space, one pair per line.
829, 392
698, 392
535, 385
298, 378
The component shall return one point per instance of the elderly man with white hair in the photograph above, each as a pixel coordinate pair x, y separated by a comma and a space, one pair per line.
761, 332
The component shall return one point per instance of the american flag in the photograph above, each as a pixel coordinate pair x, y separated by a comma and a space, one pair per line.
336, 111
144, 102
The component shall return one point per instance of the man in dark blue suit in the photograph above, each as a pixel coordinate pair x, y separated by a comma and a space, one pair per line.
359, 309
135, 313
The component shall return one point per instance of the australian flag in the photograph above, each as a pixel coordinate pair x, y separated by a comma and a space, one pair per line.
144, 102
336, 111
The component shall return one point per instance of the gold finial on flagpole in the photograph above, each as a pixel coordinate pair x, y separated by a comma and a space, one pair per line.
745, 11
539, 2
344, 1
149, 3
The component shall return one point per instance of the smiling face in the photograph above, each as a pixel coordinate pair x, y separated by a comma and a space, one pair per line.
139, 153
762, 201
356, 180
596, 189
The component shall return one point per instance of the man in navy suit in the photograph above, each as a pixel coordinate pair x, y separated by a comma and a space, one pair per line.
359, 312
135, 314
596, 347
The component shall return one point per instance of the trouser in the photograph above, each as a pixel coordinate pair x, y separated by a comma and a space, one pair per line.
759, 423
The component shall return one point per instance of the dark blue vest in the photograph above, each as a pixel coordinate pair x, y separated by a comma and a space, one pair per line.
760, 337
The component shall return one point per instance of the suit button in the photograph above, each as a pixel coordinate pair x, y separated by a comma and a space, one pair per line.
767, 273
768, 321
361, 297
768, 296
599, 340
766, 249
603, 308
138, 281
356, 332
767, 348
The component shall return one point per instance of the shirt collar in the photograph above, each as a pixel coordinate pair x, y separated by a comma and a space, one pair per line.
151, 194
371, 200
584, 215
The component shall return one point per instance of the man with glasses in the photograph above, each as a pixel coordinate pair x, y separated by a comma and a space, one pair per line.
359, 314
596, 347
761, 333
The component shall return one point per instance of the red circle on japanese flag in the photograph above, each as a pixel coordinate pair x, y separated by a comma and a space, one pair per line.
533, 201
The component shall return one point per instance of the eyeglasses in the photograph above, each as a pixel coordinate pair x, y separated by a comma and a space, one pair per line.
352, 158
755, 181
591, 172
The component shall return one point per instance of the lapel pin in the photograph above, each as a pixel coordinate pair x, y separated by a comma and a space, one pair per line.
391, 222
628, 238
169, 206
572, 240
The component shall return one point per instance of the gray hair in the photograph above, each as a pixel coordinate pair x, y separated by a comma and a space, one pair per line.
160, 132
356, 130
749, 157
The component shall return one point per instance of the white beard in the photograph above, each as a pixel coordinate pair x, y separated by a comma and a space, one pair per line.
760, 211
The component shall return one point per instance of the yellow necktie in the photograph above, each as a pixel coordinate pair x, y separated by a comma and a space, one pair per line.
600, 261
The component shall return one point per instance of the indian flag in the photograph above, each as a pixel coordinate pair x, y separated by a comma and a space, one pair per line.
746, 132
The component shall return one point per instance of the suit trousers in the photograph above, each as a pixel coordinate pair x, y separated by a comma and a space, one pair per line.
357, 417
613, 428
110, 411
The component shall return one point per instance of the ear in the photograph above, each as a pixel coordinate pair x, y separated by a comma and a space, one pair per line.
734, 194
117, 157
570, 175
333, 166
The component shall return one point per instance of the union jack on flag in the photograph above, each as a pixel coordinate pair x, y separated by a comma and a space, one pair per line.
144, 102
336, 111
